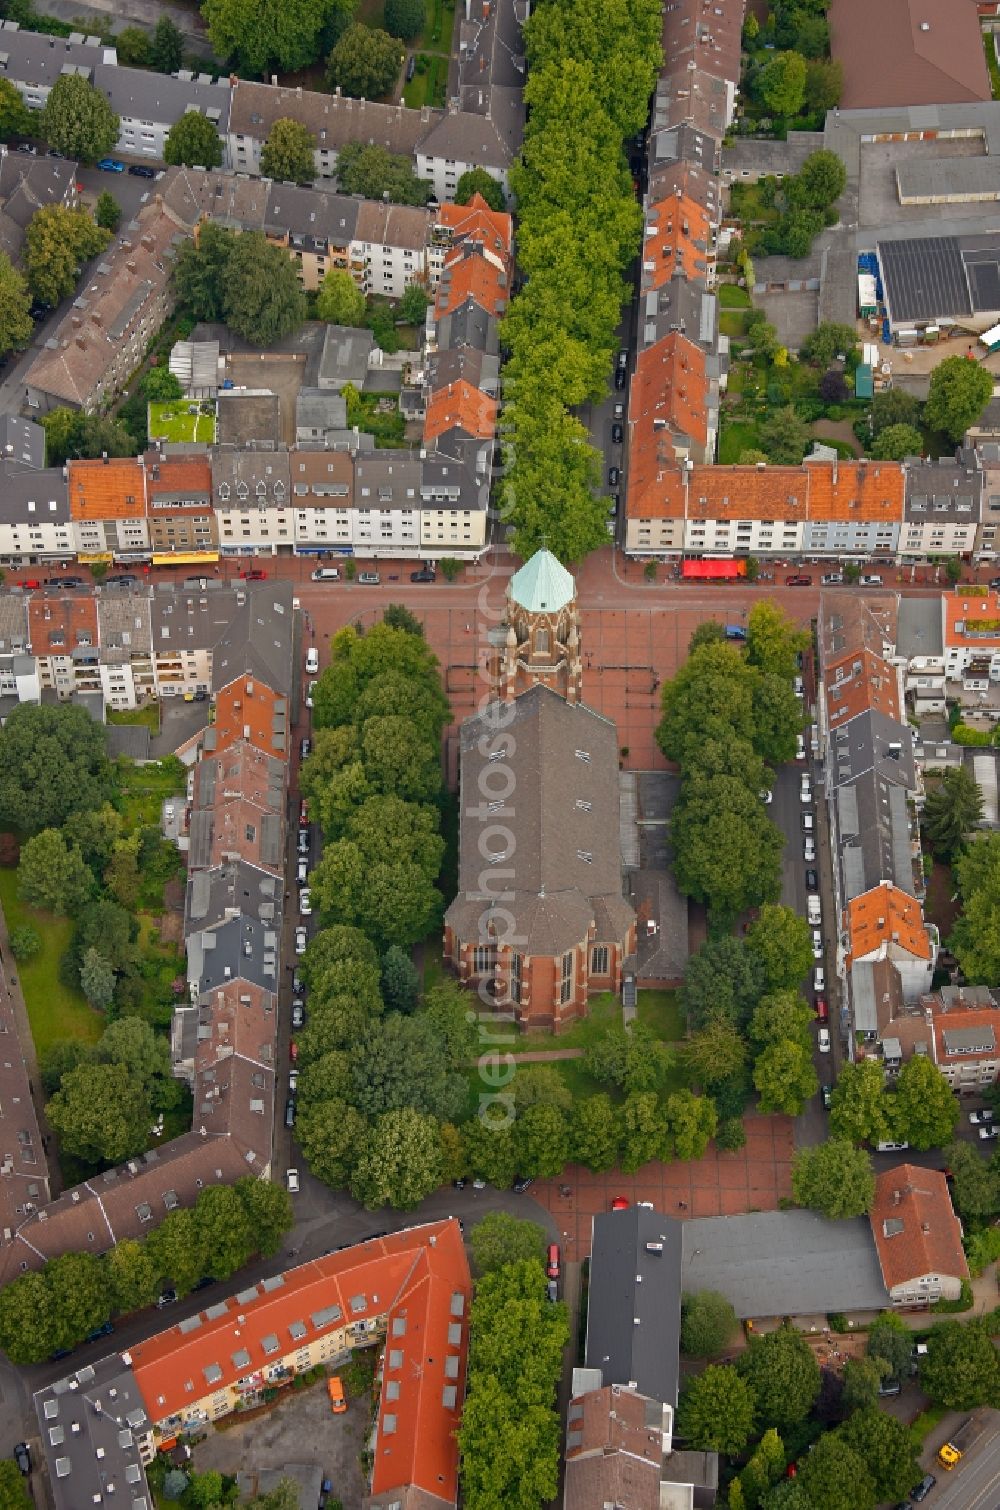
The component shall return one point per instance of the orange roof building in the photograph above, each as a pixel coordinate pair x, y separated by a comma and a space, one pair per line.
887, 923
411, 1289
472, 271
677, 236
475, 221
247, 710
971, 636
112, 488
965, 1022
858, 683
669, 402
460, 406
61, 623
918, 1237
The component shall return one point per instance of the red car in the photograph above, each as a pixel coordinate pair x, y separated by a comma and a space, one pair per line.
30, 582
254, 576
798, 581
619, 1203
822, 1010
293, 1051
552, 1267
303, 814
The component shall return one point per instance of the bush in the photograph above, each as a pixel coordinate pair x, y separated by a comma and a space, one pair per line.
731, 1135
24, 942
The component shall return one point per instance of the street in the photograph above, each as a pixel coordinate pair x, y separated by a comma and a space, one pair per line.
975, 1483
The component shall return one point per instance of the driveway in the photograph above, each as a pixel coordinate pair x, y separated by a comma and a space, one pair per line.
299, 1430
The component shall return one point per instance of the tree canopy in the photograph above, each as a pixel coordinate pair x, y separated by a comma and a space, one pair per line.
708, 1324
78, 120
479, 181
16, 325
242, 279
259, 34
288, 153
961, 1368
53, 762
365, 62
959, 391
953, 808
716, 1411
783, 1376
374, 173
193, 141
57, 243
339, 300
835, 1178
501, 1239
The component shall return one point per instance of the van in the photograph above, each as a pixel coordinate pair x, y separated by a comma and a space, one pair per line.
813, 910
808, 823
368, 579
890, 1147
326, 574
819, 979
335, 1389
872, 580
312, 660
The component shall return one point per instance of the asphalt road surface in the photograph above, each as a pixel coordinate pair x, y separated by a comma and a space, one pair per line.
975, 1483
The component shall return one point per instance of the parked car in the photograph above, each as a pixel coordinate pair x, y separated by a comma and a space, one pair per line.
293, 1082
888, 1388
621, 378
423, 575
808, 822
22, 1457
111, 165
890, 1145
298, 1015
104, 1330
808, 849
335, 1390
766, 797
619, 1203
290, 1112
310, 689
622, 363
817, 943
822, 1009
326, 574
872, 579
814, 912
981, 1118
995, 584
613, 475
823, 1040
552, 1267
292, 1181
923, 1489
298, 985
253, 574
805, 790
305, 902
139, 170
305, 745
832, 578
812, 880
301, 939
800, 747
312, 660
552, 1290
819, 981
303, 813
303, 841
989, 1132
826, 1091
619, 411
302, 870
522, 1182
121, 579
368, 579
617, 434
798, 580
166, 1297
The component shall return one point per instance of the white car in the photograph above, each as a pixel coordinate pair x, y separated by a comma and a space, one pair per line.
800, 747
302, 871
301, 939
823, 1040
981, 1118
819, 980
813, 910
805, 791
305, 902
310, 689
766, 796
292, 1181
312, 660
293, 1082
817, 944
809, 849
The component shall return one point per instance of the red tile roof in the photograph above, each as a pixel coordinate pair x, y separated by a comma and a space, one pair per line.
460, 406
178, 477
915, 1227
814, 491
475, 221
417, 1279
669, 397
60, 623
886, 917
112, 489
858, 682
473, 272
908, 52
677, 236
248, 710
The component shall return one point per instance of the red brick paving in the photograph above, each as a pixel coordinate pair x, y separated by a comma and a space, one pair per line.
755, 1178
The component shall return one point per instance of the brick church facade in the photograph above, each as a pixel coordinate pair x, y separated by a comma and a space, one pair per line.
541, 919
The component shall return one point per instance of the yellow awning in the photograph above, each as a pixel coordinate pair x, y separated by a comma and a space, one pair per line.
95, 558
185, 558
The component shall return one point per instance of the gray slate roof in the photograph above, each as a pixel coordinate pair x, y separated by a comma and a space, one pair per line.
22, 441
872, 742
919, 628
240, 948
563, 758
345, 357
874, 835
784, 1263
944, 490
633, 1323
22, 486
214, 895
88, 1423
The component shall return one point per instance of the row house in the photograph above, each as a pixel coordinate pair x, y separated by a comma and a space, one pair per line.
35, 523
943, 508
107, 504
28, 184
972, 639
918, 1237
64, 642
920, 648
179, 509
887, 923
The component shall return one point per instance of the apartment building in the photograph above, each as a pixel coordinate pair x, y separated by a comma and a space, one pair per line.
943, 508
390, 241
64, 641
35, 523
323, 498
251, 492
918, 1237
107, 504
887, 923
182, 522
148, 104
971, 639
248, 710
965, 1029
125, 647
29, 184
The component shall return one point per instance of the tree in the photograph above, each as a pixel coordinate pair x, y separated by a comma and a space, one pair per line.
490, 1152
400, 1063
200, 273
132, 47
223, 1231
716, 1411
52, 874
100, 1113
764, 1469
891, 1341
784, 436
781, 84
193, 142
78, 120
15, 117
820, 181
784, 1076
896, 442
263, 300
391, 895
479, 181
16, 325
784, 1016
288, 153
835, 1477
132, 1042
715, 1054
858, 1110
132, 1276
25, 942
57, 243
174, 1251
399, 1162
829, 341
542, 1140
643, 1131
365, 62
782, 943
959, 391
925, 1108
774, 641
339, 300
595, 1133
400, 980
107, 212
53, 762
97, 980
374, 173
975, 938
412, 308
708, 1323
894, 406
833, 387
284, 1496
259, 35
331, 1134
961, 1369
975, 1186
79, 1288
70, 432
632, 1058
723, 981
885, 1446
954, 806
862, 1380
692, 1121
160, 385
13, 1492
835, 1178
404, 18
501, 1239
824, 85
269, 1212
541, 1083
783, 1376
166, 51
28, 1319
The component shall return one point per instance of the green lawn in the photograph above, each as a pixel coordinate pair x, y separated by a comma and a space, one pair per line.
736, 438
171, 421
733, 322
148, 716
432, 49
731, 296
143, 788
54, 1011
989, 47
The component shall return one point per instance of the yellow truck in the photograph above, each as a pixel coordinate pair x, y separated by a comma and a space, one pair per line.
958, 1445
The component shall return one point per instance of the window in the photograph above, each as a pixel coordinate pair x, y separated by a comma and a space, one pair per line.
599, 959
516, 976
483, 959
542, 641
566, 988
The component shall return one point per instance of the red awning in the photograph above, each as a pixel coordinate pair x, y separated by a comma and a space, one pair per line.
708, 570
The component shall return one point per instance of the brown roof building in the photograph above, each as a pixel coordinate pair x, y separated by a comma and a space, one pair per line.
248, 710
238, 809
618, 1452
918, 1237
908, 52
